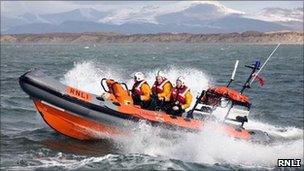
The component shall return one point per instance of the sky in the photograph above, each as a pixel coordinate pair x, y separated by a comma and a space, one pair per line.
15, 8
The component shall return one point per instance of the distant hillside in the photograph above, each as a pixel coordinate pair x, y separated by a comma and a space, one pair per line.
246, 37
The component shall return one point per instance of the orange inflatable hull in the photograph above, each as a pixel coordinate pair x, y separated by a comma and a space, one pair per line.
82, 128
74, 126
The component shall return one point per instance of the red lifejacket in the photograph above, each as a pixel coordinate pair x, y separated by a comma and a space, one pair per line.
179, 94
159, 88
136, 90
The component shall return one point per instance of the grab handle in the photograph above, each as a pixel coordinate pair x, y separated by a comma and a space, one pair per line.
126, 87
102, 85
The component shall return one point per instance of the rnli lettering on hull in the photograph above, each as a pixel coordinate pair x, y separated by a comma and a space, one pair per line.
79, 94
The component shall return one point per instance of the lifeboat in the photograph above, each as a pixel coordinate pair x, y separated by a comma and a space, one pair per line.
85, 116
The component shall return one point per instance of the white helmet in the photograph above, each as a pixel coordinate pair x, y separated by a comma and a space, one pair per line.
160, 74
139, 76
181, 79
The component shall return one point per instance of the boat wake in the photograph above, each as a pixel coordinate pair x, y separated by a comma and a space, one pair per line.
210, 147
162, 149
205, 147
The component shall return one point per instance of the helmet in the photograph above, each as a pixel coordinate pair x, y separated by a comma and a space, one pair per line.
160, 74
139, 76
181, 79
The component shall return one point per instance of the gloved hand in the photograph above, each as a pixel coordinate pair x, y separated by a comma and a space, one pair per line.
105, 95
161, 98
142, 98
177, 102
175, 108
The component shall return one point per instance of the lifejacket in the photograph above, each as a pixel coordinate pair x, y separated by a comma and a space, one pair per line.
119, 93
159, 88
136, 90
179, 94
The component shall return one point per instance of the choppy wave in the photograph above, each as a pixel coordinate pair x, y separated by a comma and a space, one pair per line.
28, 143
133, 161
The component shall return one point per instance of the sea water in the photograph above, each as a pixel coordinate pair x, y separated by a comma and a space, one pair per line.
28, 143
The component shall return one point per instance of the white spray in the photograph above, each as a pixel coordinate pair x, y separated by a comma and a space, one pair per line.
204, 147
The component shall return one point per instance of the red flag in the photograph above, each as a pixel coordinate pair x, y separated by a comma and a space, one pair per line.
260, 79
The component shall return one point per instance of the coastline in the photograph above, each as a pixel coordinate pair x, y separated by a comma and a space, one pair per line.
249, 37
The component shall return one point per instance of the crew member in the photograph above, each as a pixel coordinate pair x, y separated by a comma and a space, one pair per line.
161, 90
141, 92
181, 98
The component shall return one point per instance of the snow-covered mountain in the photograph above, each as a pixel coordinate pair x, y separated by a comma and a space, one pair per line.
287, 17
282, 15
84, 14
191, 17
198, 15
152, 13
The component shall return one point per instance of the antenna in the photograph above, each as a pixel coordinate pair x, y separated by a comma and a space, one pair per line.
233, 73
254, 68
255, 75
